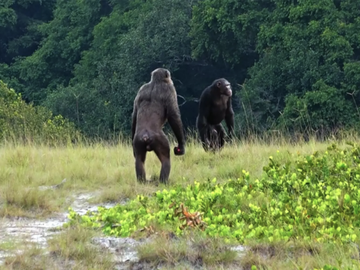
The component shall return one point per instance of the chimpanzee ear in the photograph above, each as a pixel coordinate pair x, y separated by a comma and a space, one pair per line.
167, 75
218, 84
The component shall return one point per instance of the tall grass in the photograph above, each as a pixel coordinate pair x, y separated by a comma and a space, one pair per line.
108, 169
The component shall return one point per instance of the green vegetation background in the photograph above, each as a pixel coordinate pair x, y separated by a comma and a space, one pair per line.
294, 65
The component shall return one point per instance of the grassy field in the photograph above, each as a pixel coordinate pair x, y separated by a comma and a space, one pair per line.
109, 171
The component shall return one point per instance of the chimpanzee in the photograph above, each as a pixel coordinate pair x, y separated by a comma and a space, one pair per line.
214, 107
156, 103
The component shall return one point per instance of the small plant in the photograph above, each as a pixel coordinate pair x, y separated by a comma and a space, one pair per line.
192, 219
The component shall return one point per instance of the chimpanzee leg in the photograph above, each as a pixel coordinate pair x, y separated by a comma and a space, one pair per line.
162, 150
213, 137
204, 134
140, 156
221, 136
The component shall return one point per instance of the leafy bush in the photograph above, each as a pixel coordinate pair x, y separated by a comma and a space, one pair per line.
23, 122
316, 197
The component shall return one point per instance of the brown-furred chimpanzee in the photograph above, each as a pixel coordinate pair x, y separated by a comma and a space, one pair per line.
215, 106
156, 103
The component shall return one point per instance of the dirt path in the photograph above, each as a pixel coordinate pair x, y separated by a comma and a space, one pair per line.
33, 231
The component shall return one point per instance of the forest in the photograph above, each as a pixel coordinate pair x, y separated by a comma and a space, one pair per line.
294, 65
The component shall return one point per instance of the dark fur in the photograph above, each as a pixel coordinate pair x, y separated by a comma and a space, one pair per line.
215, 106
156, 103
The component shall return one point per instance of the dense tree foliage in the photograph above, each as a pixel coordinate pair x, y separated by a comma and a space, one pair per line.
294, 64
306, 76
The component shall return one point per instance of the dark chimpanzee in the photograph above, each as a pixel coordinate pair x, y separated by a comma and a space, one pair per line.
156, 103
214, 107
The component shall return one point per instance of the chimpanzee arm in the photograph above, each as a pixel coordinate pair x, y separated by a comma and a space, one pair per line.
174, 119
229, 118
134, 118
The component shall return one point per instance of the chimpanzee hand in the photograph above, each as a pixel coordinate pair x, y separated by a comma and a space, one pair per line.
179, 150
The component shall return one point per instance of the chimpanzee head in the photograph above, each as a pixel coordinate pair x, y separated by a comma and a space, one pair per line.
161, 75
224, 86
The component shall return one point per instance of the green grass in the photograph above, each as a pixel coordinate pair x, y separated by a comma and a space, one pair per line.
210, 253
109, 171
74, 244
193, 249
301, 255
32, 258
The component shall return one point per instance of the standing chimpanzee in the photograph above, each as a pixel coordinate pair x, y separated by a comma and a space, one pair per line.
156, 103
215, 106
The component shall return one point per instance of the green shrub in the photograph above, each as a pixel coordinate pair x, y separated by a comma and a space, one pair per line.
316, 197
22, 122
